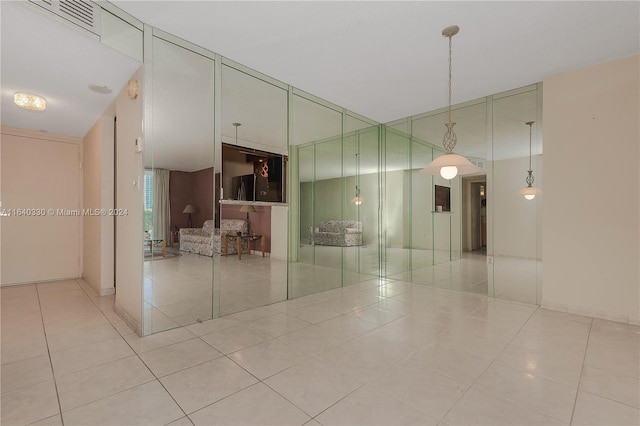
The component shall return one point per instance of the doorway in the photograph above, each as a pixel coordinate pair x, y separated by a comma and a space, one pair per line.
474, 221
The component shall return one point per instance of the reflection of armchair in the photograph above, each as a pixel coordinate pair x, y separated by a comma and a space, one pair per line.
230, 226
198, 240
343, 233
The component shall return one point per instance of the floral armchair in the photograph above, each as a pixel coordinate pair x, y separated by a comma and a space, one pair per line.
207, 240
198, 240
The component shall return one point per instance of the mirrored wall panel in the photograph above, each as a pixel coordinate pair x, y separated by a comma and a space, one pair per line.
250, 232
316, 255
361, 156
516, 226
178, 189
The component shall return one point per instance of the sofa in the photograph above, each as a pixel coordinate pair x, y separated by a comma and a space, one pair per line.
342, 233
208, 240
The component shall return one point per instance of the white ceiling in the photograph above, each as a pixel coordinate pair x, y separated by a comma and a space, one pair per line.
383, 60
387, 60
41, 56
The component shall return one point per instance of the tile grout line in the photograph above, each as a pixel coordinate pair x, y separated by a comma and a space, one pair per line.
584, 358
136, 354
488, 367
46, 340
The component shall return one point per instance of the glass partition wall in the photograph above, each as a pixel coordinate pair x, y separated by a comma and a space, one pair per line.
351, 204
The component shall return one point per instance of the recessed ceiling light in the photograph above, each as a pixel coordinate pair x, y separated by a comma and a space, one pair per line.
103, 90
30, 102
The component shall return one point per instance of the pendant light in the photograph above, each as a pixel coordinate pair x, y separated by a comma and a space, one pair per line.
530, 191
357, 200
450, 165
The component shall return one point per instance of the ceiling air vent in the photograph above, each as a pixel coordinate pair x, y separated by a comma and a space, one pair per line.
84, 13
478, 163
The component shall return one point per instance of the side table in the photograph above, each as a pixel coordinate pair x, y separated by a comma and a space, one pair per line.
239, 238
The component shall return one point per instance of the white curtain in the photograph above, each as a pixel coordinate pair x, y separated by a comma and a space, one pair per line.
161, 205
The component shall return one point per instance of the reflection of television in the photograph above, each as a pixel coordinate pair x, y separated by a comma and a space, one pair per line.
443, 198
268, 181
242, 187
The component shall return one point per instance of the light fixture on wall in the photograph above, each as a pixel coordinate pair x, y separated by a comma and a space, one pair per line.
189, 209
248, 208
357, 200
450, 165
30, 101
530, 191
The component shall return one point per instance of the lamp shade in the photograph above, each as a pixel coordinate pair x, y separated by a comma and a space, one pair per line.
461, 164
357, 200
248, 208
189, 209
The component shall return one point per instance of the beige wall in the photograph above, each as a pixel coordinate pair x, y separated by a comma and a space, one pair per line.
40, 174
98, 236
129, 195
591, 202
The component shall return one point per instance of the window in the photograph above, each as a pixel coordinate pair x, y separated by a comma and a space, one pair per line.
148, 189
148, 199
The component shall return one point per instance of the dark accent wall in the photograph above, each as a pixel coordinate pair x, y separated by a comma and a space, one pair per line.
260, 221
195, 188
202, 196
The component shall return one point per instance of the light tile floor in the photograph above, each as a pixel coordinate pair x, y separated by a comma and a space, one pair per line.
378, 352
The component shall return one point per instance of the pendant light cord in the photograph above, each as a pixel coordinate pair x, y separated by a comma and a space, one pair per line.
530, 124
450, 72
530, 178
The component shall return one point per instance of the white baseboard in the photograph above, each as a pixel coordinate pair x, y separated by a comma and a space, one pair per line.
590, 313
128, 319
107, 291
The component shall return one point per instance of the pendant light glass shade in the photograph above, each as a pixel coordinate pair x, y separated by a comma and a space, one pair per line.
357, 200
530, 192
450, 165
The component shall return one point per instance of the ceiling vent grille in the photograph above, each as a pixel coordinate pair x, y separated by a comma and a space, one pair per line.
84, 13
478, 163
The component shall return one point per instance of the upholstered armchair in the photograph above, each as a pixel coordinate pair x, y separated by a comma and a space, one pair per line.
343, 233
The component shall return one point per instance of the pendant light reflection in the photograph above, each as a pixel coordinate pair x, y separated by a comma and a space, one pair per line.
450, 165
530, 191
357, 200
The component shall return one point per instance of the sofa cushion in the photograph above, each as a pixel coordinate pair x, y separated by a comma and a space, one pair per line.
233, 225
